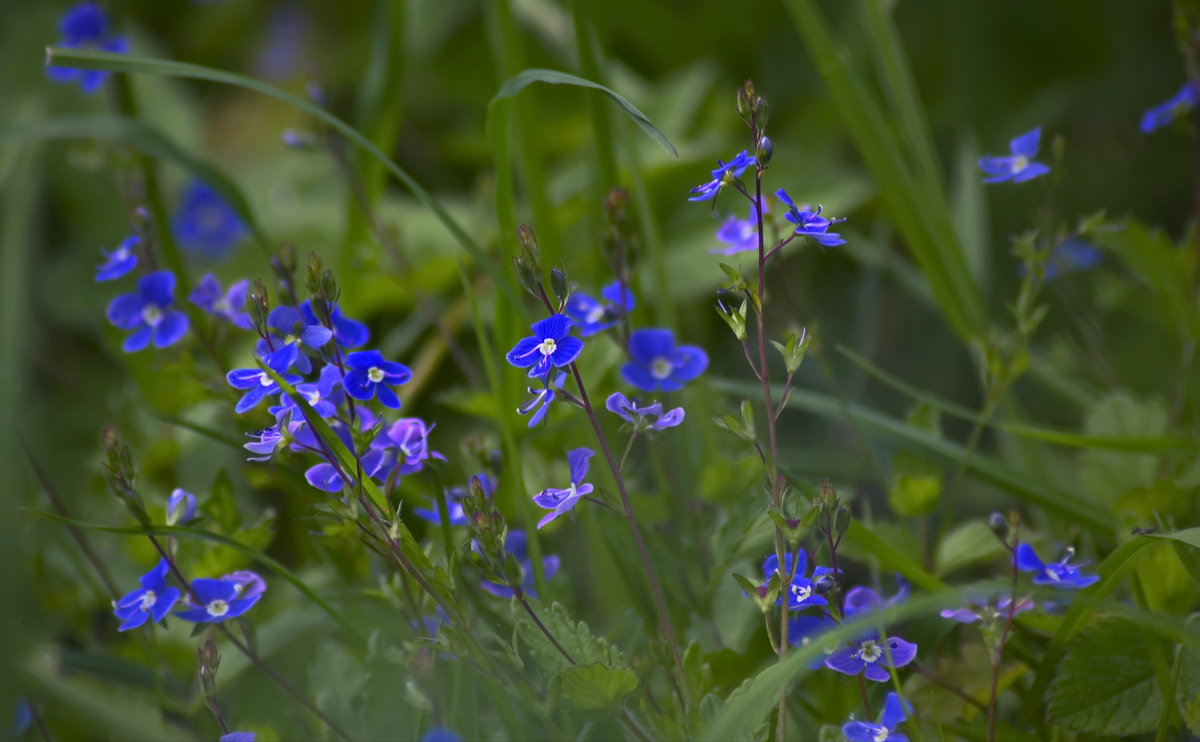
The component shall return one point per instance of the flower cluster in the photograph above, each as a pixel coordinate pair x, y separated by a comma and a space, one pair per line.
85, 26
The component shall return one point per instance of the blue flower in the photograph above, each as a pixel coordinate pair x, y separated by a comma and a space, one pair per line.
323, 395
550, 345
560, 501
1020, 166
640, 417
658, 364
516, 543
181, 507
149, 312
539, 405
1059, 574
985, 611
207, 295
263, 443
120, 261
257, 383
802, 593
1070, 256
248, 584
741, 235
810, 223
870, 657
592, 315
895, 712
804, 629
287, 325
399, 450
440, 734
725, 173
238, 737
369, 375
454, 497
349, 333
216, 601
153, 599
864, 599
205, 223
1164, 113
84, 26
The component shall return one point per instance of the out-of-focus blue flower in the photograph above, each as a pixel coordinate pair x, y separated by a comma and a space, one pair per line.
326, 476
153, 599
238, 737
181, 507
368, 375
287, 325
257, 383
400, 449
1164, 113
1019, 166
84, 26
263, 443
650, 417
1059, 574
119, 262
349, 333
895, 712
740, 235
22, 717
659, 364
803, 591
216, 601
440, 734
870, 658
228, 306
560, 501
149, 311
205, 223
454, 497
550, 345
985, 611
810, 223
249, 584
592, 315
864, 599
539, 404
725, 173
1070, 256
804, 629
323, 395
516, 543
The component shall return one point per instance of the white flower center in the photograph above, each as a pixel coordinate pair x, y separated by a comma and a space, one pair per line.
1019, 163
265, 379
375, 374
802, 593
870, 651
122, 253
548, 346
596, 314
881, 734
661, 368
152, 315
313, 397
290, 339
222, 306
217, 608
148, 601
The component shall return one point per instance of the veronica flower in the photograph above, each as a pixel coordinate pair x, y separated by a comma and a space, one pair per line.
440, 734
1070, 256
895, 712
149, 312
516, 543
725, 174
869, 657
84, 26
326, 476
205, 223
216, 601
650, 417
804, 629
1164, 113
1059, 574
454, 497
257, 383
1019, 166
741, 235
810, 223
400, 449
120, 261
985, 611
207, 295
592, 315
347, 332
323, 395
263, 443
560, 501
864, 599
539, 404
238, 737
368, 375
153, 599
181, 507
658, 364
550, 345
287, 325
249, 584
802, 593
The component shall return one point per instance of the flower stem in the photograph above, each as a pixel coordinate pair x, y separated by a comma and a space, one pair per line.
999, 653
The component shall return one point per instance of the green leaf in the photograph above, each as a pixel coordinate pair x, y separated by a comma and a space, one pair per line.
597, 686
1105, 683
891, 558
1108, 475
969, 543
574, 636
518, 82
916, 484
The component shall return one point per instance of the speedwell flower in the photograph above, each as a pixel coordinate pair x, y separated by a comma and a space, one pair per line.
802, 593
149, 311
550, 345
592, 315
181, 507
287, 325
864, 599
323, 395
517, 543
228, 306
84, 26
539, 404
895, 712
985, 611
740, 235
1019, 166
658, 364
153, 599
216, 601
560, 501
1164, 113
249, 584
1059, 574
205, 223
349, 333
650, 417
369, 375
454, 497
725, 173
257, 383
870, 657
810, 223
120, 261
264, 442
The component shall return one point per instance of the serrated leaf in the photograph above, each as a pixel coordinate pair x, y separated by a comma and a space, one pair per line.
1105, 683
574, 636
597, 686
1107, 475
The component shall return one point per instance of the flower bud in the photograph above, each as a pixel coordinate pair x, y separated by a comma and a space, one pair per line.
999, 525
765, 149
258, 306
823, 584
